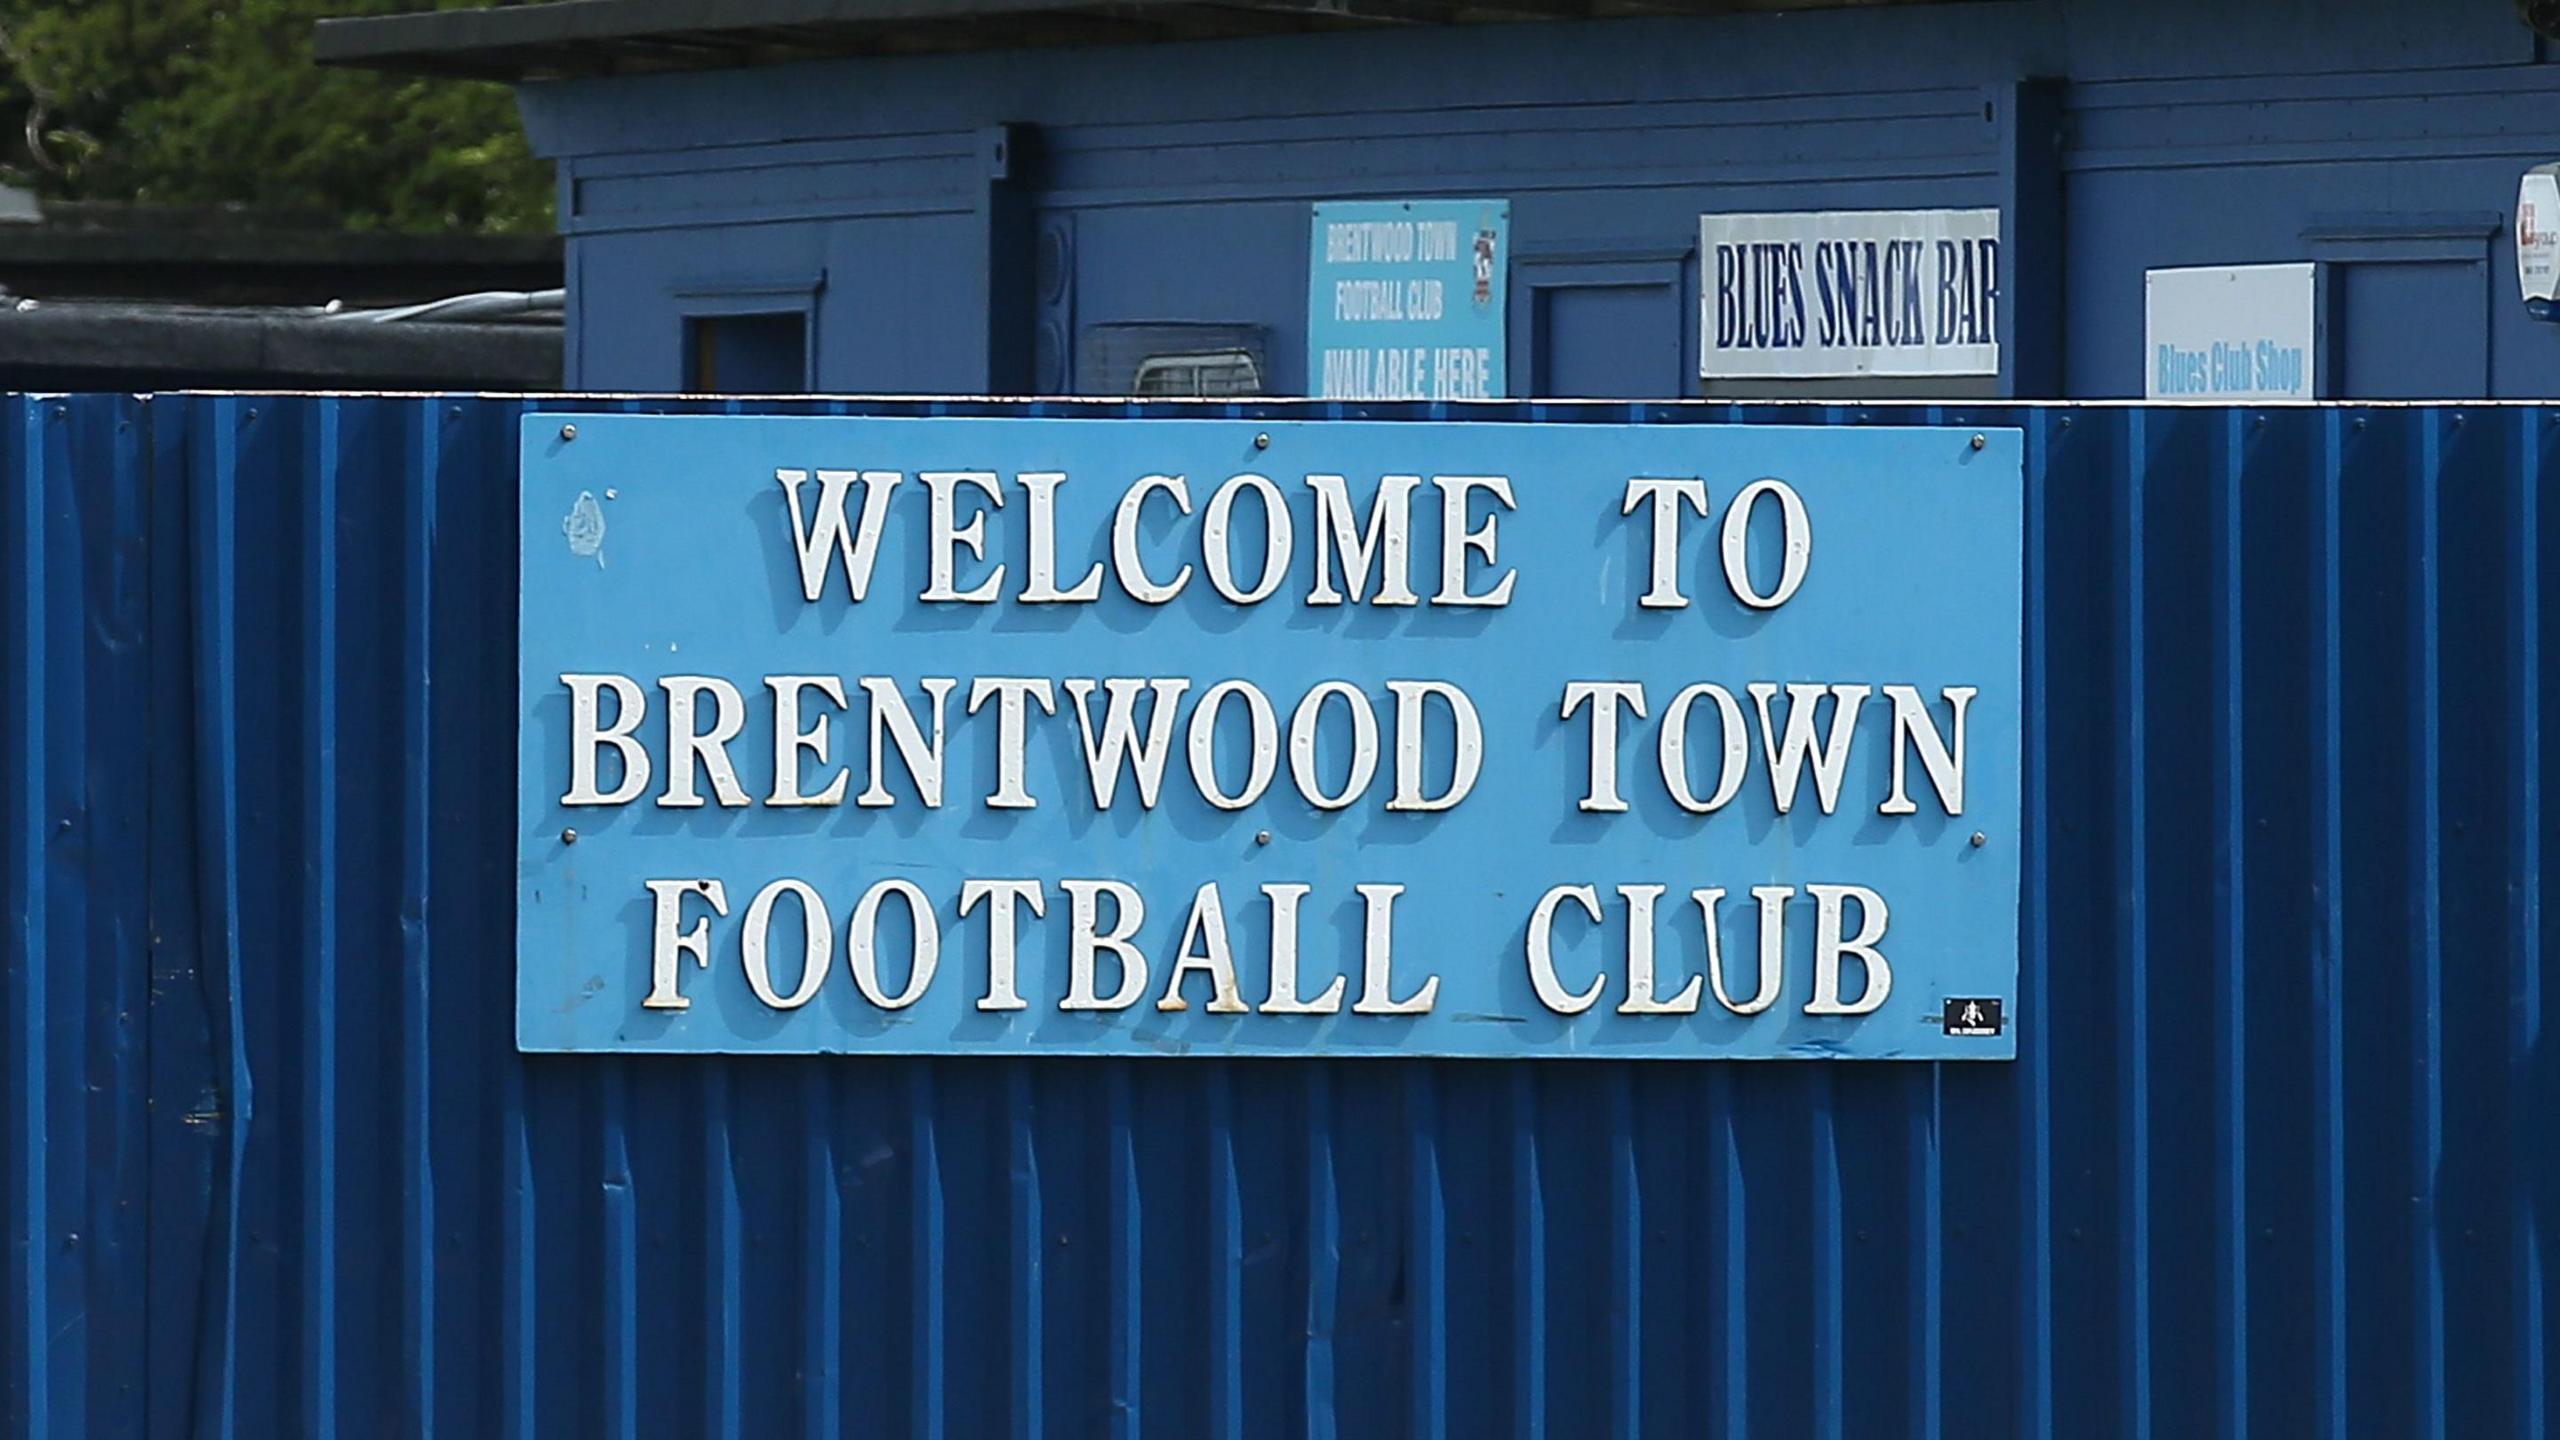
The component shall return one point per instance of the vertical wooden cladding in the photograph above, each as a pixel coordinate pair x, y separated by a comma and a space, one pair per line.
2274, 1158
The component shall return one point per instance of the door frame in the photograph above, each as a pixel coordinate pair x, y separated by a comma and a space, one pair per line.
1591, 266
2467, 237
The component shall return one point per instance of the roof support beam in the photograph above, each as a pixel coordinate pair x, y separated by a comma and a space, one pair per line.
575, 37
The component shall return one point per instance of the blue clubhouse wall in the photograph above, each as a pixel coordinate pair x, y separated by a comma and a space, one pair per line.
951, 223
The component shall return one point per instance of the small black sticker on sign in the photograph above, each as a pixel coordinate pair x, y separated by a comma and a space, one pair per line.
1973, 1017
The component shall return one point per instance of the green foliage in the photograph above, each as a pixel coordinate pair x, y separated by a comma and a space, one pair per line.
218, 102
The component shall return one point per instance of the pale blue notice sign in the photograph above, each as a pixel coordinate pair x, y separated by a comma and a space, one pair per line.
1150, 737
1406, 298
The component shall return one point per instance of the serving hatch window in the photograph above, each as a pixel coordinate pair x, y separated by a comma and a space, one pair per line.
751, 354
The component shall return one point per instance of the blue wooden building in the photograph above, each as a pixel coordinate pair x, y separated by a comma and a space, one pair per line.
1062, 197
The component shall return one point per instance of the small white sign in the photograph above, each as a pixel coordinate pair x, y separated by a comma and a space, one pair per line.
1827, 294
2232, 333
2538, 233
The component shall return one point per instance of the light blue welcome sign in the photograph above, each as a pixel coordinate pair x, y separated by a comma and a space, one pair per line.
1146, 737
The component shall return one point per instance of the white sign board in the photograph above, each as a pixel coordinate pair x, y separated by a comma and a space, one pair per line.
2232, 333
2538, 233
1828, 294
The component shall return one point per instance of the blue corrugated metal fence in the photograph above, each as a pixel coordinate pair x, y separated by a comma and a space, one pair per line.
2277, 1158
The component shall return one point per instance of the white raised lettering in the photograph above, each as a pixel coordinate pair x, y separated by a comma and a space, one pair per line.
1786, 755
1284, 999
1215, 540
586, 736
1205, 950
1944, 760
1467, 759
1798, 545
1132, 571
948, 539
817, 944
1542, 956
1641, 999
1828, 947
789, 739
1604, 697
1665, 497
1457, 542
1773, 942
1673, 749
1377, 959
1382, 543
858, 547
1262, 757
668, 942
1103, 753
892, 721
1010, 693
1303, 726
1002, 933
688, 748
1040, 584
1086, 940
862, 939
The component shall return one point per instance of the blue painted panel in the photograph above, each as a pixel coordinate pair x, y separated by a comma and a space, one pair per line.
75, 1141
2410, 329
1598, 341
656, 548
1258, 276
894, 319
